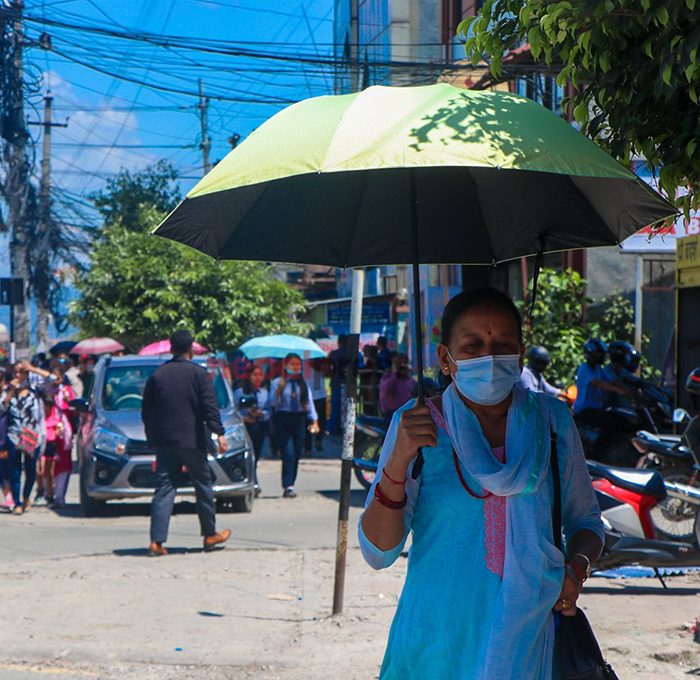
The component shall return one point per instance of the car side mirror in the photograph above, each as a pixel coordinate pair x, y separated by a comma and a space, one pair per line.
79, 405
680, 415
247, 401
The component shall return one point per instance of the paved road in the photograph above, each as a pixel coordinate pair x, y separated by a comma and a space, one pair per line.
309, 521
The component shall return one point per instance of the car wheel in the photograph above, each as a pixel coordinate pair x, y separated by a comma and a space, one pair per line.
241, 503
89, 506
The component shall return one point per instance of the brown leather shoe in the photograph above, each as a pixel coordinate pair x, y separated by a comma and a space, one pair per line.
210, 542
157, 549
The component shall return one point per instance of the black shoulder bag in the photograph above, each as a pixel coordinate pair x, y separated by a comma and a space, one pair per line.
575, 647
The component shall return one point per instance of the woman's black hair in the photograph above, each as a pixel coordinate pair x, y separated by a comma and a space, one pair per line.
467, 299
247, 384
303, 388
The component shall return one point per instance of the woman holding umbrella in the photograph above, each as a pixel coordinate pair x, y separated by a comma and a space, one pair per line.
484, 573
293, 406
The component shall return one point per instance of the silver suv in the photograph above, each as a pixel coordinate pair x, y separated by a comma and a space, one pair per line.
115, 460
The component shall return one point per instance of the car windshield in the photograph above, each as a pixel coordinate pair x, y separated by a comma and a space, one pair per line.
124, 385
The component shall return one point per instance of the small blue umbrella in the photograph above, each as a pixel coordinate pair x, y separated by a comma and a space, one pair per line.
278, 346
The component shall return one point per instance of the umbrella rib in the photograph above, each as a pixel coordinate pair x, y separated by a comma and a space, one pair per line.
494, 260
353, 232
240, 222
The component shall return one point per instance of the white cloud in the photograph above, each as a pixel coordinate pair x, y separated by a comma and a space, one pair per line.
85, 166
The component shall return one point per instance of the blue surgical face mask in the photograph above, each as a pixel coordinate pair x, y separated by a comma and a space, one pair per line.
487, 380
291, 373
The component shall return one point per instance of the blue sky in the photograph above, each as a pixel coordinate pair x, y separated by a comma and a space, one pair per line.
113, 123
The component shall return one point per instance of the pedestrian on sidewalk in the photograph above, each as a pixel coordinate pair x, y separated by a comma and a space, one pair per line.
320, 369
484, 573
5, 470
256, 418
25, 435
396, 387
339, 361
179, 405
293, 406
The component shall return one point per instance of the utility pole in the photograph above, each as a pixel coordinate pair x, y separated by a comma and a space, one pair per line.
354, 45
16, 187
42, 256
205, 144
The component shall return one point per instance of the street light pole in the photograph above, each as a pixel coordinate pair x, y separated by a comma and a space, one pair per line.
358, 285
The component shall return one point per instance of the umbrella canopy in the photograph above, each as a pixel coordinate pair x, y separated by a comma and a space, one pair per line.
163, 347
278, 346
97, 346
481, 177
62, 346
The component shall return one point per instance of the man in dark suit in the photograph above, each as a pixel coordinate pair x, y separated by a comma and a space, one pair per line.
178, 402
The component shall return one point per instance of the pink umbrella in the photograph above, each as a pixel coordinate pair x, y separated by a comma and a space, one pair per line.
163, 347
97, 346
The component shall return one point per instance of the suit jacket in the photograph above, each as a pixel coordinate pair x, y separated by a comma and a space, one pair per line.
178, 403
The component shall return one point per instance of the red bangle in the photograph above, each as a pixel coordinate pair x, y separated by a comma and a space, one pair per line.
391, 479
384, 500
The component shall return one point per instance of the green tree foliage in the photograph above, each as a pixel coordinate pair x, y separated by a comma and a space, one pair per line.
124, 196
634, 64
140, 288
559, 322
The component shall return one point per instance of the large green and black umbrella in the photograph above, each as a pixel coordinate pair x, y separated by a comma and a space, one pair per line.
408, 175
328, 181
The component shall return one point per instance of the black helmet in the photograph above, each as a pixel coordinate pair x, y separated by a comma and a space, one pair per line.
692, 384
538, 358
620, 352
595, 350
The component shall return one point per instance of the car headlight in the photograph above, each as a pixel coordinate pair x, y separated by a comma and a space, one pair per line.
235, 438
110, 442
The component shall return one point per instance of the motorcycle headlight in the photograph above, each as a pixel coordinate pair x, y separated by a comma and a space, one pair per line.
110, 441
235, 438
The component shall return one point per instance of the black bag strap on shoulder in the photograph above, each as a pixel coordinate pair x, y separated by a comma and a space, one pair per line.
577, 649
556, 480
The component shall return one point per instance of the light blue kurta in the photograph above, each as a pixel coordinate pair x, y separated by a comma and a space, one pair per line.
441, 626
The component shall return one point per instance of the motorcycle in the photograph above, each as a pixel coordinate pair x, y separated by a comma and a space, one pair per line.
675, 516
627, 498
652, 409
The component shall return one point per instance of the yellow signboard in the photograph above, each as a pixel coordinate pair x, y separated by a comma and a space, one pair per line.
688, 261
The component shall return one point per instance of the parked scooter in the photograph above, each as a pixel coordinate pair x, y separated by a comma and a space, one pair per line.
676, 515
627, 498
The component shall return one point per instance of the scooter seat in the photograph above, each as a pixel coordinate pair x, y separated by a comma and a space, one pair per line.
664, 438
647, 482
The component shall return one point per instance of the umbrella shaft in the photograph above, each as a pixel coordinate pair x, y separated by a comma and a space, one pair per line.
417, 314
